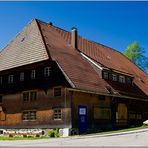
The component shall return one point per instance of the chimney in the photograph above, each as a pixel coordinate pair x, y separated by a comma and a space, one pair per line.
74, 37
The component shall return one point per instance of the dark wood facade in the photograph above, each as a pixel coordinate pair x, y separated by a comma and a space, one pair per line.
76, 86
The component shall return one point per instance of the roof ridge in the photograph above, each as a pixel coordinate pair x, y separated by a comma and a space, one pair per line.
42, 38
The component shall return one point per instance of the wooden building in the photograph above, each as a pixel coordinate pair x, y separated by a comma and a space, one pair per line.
51, 78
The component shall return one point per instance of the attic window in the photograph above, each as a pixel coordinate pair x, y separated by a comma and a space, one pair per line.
129, 80
114, 77
22, 76
32, 74
10, 79
105, 75
47, 71
122, 79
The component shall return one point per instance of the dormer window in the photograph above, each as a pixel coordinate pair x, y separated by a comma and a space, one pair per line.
47, 71
32, 74
122, 79
10, 79
114, 77
105, 75
129, 80
22, 76
1, 80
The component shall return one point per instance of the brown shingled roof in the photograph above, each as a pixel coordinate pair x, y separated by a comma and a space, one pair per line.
40, 41
78, 69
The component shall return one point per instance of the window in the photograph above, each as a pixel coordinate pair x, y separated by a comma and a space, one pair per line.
122, 79
29, 96
1, 99
33, 96
32, 74
47, 71
26, 96
29, 115
102, 113
114, 77
10, 79
57, 92
129, 80
57, 114
1, 80
105, 75
22, 76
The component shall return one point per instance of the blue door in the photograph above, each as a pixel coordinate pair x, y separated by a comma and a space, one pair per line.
82, 119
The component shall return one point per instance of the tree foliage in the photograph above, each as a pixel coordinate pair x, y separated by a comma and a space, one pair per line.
136, 54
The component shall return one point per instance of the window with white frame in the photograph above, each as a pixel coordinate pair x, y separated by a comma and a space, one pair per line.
105, 75
32, 74
47, 71
114, 77
122, 79
10, 79
57, 114
29, 115
1, 80
22, 76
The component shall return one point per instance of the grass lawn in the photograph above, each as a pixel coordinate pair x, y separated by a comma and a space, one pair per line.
20, 138
123, 130
97, 133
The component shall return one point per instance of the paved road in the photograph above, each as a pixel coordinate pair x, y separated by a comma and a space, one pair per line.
138, 138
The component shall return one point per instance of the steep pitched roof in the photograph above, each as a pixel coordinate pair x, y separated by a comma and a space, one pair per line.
41, 41
26, 48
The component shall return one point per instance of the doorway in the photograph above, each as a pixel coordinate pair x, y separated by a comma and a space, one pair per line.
121, 115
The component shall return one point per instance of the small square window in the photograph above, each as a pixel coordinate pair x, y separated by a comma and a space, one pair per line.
105, 75
33, 96
22, 76
122, 79
32, 74
57, 92
10, 79
57, 114
29, 115
26, 96
47, 71
114, 77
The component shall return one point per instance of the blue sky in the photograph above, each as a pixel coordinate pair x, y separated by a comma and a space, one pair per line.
115, 24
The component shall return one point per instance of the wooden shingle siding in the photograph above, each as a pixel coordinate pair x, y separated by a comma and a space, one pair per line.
26, 48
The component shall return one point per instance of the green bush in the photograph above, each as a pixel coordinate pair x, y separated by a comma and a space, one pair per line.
53, 133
